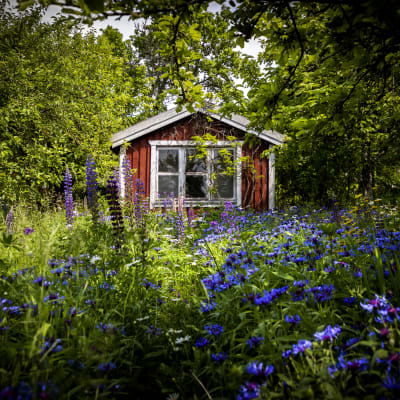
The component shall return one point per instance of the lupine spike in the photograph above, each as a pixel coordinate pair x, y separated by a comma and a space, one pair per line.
115, 210
10, 222
128, 179
92, 187
69, 202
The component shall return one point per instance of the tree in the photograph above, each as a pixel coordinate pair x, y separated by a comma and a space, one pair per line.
63, 93
329, 81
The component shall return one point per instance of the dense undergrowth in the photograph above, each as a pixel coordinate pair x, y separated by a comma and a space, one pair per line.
227, 304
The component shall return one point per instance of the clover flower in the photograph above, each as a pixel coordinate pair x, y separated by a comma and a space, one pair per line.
328, 333
69, 203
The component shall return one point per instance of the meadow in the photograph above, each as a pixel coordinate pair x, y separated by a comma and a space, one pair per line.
112, 301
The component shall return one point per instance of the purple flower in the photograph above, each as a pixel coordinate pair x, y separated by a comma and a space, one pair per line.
28, 231
202, 342
301, 346
106, 367
295, 319
349, 300
219, 357
328, 333
255, 341
214, 329
92, 187
258, 369
152, 330
207, 306
69, 203
114, 206
22, 392
10, 222
250, 390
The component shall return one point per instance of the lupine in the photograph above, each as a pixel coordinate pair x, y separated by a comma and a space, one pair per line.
10, 222
69, 203
138, 203
92, 187
115, 210
128, 179
180, 224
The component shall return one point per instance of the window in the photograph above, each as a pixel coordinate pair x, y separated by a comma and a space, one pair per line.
206, 177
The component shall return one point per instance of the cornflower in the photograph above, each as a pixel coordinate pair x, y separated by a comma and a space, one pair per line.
255, 341
250, 390
214, 329
301, 347
28, 231
69, 203
218, 357
258, 369
328, 333
106, 367
294, 320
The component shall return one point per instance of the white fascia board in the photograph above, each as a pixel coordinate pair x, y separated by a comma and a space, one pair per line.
269, 136
170, 116
127, 136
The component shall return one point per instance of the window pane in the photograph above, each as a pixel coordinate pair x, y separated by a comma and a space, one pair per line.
224, 186
196, 186
223, 160
193, 163
168, 184
168, 160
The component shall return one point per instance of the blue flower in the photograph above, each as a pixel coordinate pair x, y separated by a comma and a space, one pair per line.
295, 319
214, 329
202, 342
250, 390
255, 341
328, 333
301, 346
106, 367
219, 357
258, 369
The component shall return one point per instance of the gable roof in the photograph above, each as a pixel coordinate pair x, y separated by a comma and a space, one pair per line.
171, 116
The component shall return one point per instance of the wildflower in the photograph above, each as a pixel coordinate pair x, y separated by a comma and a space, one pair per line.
107, 367
207, 306
328, 333
258, 369
322, 293
294, 320
152, 330
115, 211
214, 329
92, 187
22, 392
250, 390
255, 341
181, 340
219, 357
287, 353
106, 328
349, 300
28, 231
52, 346
301, 346
202, 342
10, 222
69, 204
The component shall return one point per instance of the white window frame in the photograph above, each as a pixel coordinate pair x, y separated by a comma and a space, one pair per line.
182, 144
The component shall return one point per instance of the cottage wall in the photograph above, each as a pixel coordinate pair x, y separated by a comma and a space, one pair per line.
254, 173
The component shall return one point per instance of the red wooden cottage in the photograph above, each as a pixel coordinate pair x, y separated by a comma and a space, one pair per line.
165, 154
